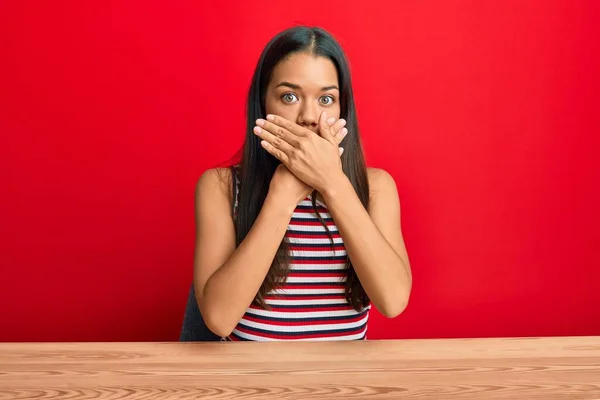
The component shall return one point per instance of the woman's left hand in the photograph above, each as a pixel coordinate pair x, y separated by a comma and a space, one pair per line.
312, 158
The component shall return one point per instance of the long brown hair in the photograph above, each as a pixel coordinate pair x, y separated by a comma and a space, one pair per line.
257, 167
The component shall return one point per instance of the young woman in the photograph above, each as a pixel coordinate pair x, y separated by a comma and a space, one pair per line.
300, 238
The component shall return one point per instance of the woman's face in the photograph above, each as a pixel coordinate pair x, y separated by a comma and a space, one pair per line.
302, 86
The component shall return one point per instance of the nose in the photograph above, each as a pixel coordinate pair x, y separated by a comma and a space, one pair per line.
308, 116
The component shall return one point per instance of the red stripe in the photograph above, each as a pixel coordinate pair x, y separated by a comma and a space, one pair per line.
335, 298
310, 222
300, 336
321, 247
300, 322
312, 235
319, 274
307, 261
324, 285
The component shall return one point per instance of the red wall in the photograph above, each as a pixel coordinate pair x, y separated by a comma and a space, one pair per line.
486, 113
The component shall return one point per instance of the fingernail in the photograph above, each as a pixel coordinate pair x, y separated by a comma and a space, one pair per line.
260, 122
344, 131
270, 117
257, 129
331, 120
342, 122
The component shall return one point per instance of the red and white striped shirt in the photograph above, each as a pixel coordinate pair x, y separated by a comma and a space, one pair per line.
311, 304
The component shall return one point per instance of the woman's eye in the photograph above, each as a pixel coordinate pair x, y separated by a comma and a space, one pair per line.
289, 97
326, 100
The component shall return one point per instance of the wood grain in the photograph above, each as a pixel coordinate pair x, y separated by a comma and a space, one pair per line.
523, 368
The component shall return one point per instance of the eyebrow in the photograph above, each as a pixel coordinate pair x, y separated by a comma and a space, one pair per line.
296, 87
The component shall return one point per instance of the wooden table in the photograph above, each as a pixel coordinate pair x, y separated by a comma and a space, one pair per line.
527, 368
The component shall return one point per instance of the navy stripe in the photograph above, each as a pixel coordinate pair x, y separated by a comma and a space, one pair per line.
309, 284
313, 234
302, 333
314, 219
311, 208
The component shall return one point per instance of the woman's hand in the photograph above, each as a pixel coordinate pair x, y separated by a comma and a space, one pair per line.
312, 158
287, 189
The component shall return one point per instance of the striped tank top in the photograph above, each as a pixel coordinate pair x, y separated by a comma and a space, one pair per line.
311, 304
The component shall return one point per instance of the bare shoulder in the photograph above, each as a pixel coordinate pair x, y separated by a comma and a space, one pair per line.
381, 182
215, 184
377, 175
383, 193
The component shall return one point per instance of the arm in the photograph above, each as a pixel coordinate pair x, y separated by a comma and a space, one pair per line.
374, 240
227, 279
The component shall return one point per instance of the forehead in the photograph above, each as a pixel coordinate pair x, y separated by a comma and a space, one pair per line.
305, 70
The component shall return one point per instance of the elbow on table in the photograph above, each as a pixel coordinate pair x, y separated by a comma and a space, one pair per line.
215, 323
213, 316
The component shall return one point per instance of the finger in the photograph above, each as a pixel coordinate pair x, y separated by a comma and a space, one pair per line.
324, 128
287, 125
275, 141
278, 131
280, 155
340, 130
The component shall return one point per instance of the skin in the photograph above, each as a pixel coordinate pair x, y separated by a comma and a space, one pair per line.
304, 131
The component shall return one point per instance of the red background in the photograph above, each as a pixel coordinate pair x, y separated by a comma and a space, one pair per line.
486, 114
